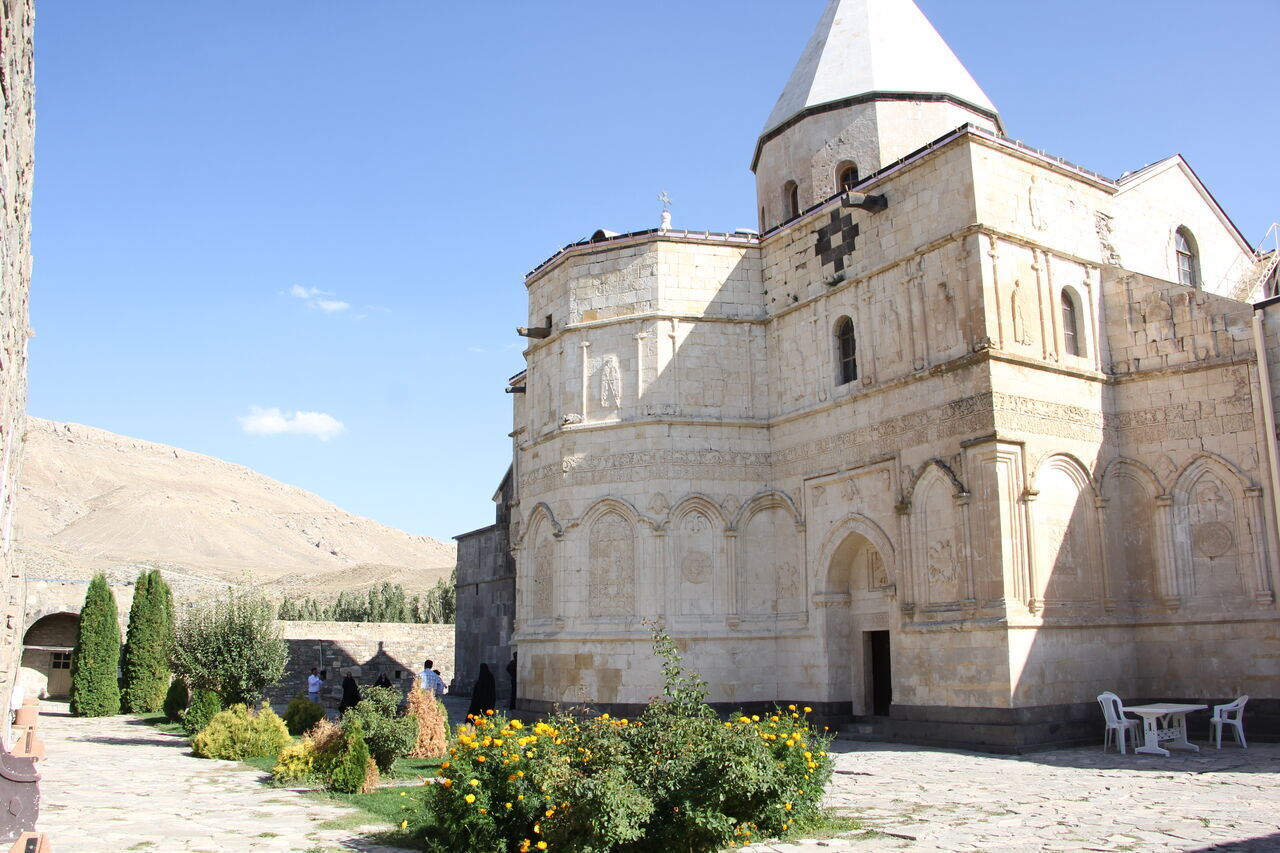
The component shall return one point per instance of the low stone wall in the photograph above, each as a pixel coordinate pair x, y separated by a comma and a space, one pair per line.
369, 649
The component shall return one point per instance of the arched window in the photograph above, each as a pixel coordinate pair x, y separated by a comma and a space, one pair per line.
1072, 339
791, 198
846, 351
846, 176
1188, 258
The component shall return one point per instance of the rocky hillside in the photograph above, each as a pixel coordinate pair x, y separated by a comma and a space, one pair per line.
95, 501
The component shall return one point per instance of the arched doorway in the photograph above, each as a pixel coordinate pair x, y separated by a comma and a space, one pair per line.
855, 604
47, 649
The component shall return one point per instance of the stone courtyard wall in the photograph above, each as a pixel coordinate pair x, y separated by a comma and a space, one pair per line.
18, 132
367, 648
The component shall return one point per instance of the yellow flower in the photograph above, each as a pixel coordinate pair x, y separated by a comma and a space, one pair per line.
808, 710
470, 798
508, 805
542, 845
791, 707
448, 783
404, 824
787, 806
444, 766
475, 783
480, 758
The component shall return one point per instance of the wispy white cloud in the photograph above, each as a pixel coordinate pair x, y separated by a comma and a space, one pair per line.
272, 421
315, 298
481, 350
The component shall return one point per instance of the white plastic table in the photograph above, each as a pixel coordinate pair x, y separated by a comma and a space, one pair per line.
1164, 721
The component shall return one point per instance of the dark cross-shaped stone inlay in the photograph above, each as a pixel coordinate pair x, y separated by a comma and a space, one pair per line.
836, 239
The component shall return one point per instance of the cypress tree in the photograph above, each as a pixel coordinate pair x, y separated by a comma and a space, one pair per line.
94, 690
146, 657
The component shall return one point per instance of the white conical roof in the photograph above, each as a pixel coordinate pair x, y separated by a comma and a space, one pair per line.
863, 46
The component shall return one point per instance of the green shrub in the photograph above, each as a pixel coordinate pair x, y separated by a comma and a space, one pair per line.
351, 767
679, 778
302, 714
232, 647
204, 704
95, 690
175, 700
145, 665
238, 733
296, 763
388, 736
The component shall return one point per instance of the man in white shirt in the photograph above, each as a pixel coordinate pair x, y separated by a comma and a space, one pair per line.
429, 681
314, 683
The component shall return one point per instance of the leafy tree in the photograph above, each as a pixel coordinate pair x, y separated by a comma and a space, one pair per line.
95, 691
231, 647
146, 655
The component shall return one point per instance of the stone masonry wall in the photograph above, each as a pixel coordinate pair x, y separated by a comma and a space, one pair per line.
486, 608
18, 132
367, 648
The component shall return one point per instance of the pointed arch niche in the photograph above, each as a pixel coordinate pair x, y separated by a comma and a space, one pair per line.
771, 581
1066, 544
1218, 557
699, 559
1129, 492
940, 551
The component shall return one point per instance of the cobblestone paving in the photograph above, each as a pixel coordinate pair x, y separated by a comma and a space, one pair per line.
114, 784
1076, 799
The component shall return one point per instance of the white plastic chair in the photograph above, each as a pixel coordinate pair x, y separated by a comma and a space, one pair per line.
1231, 714
1117, 722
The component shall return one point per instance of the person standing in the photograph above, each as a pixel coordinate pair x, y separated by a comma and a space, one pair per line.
485, 694
430, 681
314, 683
350, 693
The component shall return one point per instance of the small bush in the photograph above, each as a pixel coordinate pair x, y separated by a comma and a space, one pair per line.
232, 646
238, 733
202, 708
175, 700
296, 762
433, 724
350, 773
387, 735
302, 714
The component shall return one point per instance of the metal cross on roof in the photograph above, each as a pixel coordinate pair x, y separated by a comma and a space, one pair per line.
665, 198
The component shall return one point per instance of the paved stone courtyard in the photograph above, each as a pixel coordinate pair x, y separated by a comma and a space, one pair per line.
1074, 799
115, 784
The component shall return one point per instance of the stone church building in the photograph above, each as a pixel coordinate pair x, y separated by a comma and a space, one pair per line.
962, 437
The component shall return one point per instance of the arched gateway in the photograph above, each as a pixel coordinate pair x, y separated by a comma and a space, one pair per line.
47, 649
853, 607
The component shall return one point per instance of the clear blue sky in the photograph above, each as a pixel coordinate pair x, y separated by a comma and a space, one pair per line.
216, 180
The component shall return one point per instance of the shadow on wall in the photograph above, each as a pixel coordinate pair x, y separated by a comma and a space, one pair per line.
333, 660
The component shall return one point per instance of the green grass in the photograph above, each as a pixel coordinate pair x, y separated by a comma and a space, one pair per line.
265, 763
414, 768
386, 807
161, 723
829, 824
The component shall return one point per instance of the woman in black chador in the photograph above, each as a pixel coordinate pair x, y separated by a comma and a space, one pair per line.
350, 694
485, 694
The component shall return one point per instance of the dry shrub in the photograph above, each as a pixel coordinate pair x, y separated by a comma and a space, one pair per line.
432, 731
326, 735
371, 777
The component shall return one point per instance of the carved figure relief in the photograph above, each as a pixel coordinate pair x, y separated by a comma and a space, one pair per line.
612, 567
1022, 332
936, 525
610, 384
1110, 255
877, 575
893, 328
1038, 221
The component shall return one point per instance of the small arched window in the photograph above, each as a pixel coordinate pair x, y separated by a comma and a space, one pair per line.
1072, 339
791, 198
846, 176
1188, 258
846, 351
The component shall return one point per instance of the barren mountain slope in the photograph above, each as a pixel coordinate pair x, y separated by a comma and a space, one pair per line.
92, 500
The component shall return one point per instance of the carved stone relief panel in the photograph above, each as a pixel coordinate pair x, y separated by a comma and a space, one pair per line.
1130, 538
612, 566
771, 580
1065, 534
543, 573
699, 565
939, 549
1211, 517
